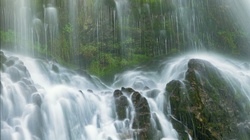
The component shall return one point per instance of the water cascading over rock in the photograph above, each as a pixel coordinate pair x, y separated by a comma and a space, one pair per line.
186, 97
207, 104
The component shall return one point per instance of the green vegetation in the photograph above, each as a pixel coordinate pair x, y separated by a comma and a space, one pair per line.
103, 41
7, 37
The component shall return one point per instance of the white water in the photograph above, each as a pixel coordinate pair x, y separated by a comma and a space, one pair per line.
123, 15
44, 104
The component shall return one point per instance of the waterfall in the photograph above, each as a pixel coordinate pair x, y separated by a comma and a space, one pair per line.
170, 98
123, 14
42, 100
189, 19
51, 21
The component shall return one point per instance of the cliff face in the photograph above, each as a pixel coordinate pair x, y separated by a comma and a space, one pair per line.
207, 106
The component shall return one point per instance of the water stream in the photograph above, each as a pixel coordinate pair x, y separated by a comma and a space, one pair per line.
40, 100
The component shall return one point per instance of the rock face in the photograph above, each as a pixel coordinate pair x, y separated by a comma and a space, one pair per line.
206, 106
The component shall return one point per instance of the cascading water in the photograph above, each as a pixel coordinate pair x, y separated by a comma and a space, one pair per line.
42, 100
51, 27
17, 16
188, 19
123, 14
73, 14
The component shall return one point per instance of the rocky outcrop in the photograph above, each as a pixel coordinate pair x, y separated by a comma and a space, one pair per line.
206, 106
121, 104
142, 118
145, 125
15, 69
142, 111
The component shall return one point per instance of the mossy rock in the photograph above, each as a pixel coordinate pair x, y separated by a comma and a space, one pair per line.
207, 105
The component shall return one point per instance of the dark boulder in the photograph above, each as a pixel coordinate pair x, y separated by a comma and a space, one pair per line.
121, 105
142, 111
117, 93
142, 118
207, 105
55, 68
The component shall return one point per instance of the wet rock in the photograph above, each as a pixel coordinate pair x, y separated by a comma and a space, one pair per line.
142, 110
127, 91
121, 105
207, 105
55, 68
14, 74
3, 58
117, 93
36, 99
20, 66
11, 61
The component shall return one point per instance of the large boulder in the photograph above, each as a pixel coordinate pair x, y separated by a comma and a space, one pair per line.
207, 106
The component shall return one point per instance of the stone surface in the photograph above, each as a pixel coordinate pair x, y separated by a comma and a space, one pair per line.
121, 105
206, 106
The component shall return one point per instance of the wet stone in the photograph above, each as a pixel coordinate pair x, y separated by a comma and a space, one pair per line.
142, 111
14, 74
2, 57
121, 105
11, 61
117, 93
55, 68
128, 90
